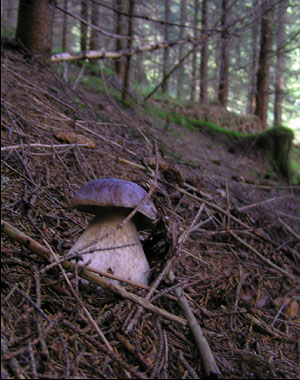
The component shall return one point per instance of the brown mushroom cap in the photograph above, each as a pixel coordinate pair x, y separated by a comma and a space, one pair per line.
110, 193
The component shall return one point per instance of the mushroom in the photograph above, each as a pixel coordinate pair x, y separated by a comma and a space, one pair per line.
120, 252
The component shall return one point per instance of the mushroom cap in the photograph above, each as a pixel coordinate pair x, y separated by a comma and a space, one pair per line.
110, 193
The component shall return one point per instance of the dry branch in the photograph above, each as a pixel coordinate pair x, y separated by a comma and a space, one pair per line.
289, 229
100, 54
40, 250
38, 145
165, 78
211, 368
101, 31
110, 142
262, 257
143, 17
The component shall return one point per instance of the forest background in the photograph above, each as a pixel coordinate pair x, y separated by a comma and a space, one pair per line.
74, 109
233, 51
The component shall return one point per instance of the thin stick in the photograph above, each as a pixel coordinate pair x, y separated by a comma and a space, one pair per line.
139, 166
94, 27
110, 142
259, 203
172, 70
79, 77
40, 250
75, 294
149, 295
211, 368
264, 326
14, 364
37, 145
210, 365
289, 229
263, 258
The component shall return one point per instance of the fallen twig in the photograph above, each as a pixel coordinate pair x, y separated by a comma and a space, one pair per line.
259, 203
263, 258
84, 272
110, 142
87, 313
13, 363
289, 229
211, 368
265, 327
38, 145
149, 295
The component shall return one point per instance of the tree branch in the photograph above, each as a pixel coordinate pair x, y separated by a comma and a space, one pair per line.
84, 272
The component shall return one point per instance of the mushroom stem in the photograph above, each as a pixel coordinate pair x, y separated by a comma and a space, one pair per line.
120, 253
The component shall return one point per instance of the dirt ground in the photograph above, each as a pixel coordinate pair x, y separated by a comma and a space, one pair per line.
228, 229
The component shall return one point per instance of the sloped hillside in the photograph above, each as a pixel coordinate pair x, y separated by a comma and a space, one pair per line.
227, 231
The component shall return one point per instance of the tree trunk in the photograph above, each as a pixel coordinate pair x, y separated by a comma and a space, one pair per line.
84, 13
35, 20
94, 40
182, 34
204, 55
279, 70
253, 65
126, 83
166, 50
262, 82
8, 16
223, 83
194, 56
120, 28
64, 42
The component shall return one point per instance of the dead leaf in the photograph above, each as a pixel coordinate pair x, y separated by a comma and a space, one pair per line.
293, 310
247, 296
291, 306
74, 138
262, 300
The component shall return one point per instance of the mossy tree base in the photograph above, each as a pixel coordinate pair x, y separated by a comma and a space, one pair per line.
277, 142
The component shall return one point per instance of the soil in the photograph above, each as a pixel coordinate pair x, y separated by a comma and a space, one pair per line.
228, 228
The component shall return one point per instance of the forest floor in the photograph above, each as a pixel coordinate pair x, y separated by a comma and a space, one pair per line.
228, 228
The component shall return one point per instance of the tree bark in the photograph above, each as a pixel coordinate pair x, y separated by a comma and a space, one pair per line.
204, 55
120, 28
180, 70
262, 82
279, 69
126, 83
94, 40
253, 65
194, 56
35, 20
224, 70
64, 41
84, 13
166, 50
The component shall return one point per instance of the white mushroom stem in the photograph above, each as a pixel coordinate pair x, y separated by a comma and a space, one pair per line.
120, 253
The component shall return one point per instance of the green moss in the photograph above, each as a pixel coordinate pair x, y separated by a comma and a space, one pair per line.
295, 165
79, 104
277, 144
94, 83
215, 128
